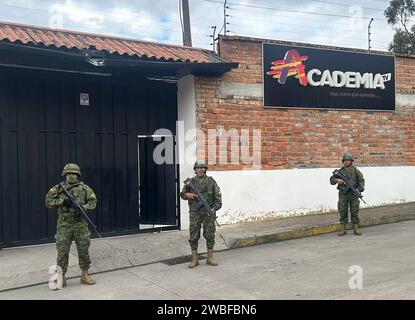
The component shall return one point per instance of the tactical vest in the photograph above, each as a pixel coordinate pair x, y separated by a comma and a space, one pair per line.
206, 186
351, 175
77, 191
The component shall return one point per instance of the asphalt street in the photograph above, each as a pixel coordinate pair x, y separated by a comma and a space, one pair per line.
378, 265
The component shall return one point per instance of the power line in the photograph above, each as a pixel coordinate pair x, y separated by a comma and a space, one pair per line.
326, 1
302, 18
345, 5
289, 18
132, 15
294, 11
239, 7
318, 35
112, 21
289, 23
317, 42
97, 10
285, 23
75, 27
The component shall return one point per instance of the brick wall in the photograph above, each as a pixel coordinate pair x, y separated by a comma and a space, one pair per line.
300, 138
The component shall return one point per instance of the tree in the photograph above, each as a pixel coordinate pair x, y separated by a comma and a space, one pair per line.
398, 15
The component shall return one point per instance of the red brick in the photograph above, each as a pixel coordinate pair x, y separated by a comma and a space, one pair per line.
290, 138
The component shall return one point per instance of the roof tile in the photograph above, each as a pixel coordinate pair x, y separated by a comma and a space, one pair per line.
69, 39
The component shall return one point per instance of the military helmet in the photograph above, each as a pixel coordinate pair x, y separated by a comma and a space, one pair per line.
71, 168
347, 156
200, 164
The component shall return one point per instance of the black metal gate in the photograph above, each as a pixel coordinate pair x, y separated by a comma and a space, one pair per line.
43, 125
158, 181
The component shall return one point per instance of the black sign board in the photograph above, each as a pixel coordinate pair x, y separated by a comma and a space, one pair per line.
302, 77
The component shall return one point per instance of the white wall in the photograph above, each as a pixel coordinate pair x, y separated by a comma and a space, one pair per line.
186, 104
257, 194
251, 195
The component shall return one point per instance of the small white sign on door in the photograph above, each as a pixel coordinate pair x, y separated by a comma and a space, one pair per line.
84, 99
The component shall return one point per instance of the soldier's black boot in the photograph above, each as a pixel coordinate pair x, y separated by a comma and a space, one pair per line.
342, 230
356, 230
195, 260
210, 260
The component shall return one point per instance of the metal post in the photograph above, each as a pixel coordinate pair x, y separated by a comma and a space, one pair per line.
213, 36
187, 36
368, 34
224, 17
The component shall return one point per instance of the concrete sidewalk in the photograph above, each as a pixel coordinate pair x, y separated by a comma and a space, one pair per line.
29, 265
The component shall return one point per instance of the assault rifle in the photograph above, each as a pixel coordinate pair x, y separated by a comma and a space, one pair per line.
348, 185
79, 210
201, 199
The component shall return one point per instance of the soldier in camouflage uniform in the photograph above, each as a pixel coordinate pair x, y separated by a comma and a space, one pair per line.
199, 216
70, 226
348, 198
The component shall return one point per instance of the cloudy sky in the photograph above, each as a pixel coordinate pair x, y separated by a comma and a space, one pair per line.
332, 22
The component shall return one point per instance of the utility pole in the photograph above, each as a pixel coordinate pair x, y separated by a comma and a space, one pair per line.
368, 34
187, 35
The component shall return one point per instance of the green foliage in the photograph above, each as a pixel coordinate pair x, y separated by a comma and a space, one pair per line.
398, 14
403, 42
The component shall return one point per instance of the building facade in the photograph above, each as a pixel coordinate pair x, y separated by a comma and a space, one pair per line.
112, 104
300, 147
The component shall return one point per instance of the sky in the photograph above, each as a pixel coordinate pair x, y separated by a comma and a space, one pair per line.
341, 23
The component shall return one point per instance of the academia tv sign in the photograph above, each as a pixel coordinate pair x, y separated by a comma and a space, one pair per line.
303, 77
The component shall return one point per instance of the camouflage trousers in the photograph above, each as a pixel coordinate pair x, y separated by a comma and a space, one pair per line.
197, 220
347, 201
70, 229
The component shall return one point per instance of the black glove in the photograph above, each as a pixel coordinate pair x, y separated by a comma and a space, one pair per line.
67, 203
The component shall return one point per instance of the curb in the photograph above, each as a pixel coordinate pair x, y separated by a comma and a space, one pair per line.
317, 230
260, 239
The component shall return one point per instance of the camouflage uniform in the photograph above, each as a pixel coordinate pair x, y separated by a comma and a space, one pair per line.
199, 216
70, 227
348, 199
